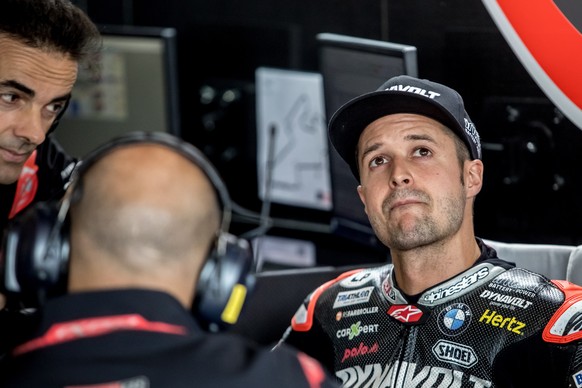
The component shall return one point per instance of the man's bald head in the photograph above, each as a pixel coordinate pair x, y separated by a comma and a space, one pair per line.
145, 212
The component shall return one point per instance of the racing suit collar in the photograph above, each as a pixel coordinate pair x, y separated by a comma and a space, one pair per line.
487, 266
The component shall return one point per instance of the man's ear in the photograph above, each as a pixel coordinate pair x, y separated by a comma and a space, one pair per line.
474, 177
360, 190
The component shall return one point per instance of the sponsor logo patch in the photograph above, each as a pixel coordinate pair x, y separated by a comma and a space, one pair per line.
356, 312
464, 283
577, 378
455, 353
359, 350
503, 300
409, 375
406, 313
509, 285
348, 298
388, 289
473, 134
356, 280
511, 324
356, 329
416, 90
454, 319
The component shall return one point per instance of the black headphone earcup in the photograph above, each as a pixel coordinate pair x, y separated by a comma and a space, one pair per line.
224, 283
35, 255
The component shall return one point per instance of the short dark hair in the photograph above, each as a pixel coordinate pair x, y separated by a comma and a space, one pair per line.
50, 25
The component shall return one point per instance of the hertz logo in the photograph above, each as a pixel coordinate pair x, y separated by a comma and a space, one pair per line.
497, 320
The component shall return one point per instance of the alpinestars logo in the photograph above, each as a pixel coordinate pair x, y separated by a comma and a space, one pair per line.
465, 282
405, 313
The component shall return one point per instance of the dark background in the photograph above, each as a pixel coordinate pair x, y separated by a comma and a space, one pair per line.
531, 152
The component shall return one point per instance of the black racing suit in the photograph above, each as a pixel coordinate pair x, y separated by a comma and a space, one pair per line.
493, 325
145, 339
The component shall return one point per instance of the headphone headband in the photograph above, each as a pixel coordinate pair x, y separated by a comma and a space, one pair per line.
170, 141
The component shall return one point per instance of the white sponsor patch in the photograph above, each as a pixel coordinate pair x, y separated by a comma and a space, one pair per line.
348, 298
356, 280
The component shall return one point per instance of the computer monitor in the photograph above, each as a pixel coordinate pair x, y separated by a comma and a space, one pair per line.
351, 66
133, 86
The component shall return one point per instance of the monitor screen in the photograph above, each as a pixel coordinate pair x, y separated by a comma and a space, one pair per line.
351, 66
132, 86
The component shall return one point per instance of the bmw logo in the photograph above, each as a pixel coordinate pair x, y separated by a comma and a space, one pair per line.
454, 319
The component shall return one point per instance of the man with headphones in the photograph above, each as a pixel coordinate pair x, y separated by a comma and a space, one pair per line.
42, 42
139, 242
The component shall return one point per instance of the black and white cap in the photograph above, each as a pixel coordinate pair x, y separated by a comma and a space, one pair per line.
401, 94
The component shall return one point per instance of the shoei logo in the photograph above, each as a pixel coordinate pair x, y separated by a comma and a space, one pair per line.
454, 319
455, 353
348, 298
415, 90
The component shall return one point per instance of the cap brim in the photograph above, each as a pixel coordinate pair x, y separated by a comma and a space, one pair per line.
347, 124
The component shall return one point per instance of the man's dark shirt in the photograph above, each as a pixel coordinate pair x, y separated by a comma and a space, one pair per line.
54, 171
144, 338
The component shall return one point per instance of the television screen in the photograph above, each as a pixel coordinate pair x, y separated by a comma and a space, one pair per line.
132, 86
351, 66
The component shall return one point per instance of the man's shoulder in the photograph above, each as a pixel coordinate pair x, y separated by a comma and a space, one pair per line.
355, 279
349, 288
565, 326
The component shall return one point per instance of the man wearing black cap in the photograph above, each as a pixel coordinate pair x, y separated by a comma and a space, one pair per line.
447, 312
